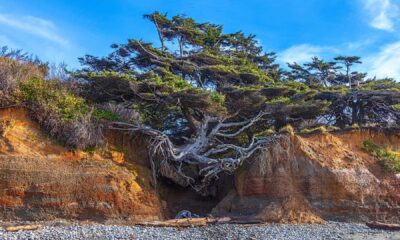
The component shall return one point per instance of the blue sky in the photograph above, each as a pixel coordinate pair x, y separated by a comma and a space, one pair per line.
63, 30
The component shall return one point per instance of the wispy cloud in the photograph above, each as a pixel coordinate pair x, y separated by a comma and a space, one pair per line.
385, 63
303, 53
383, 14
361, 44
34, 25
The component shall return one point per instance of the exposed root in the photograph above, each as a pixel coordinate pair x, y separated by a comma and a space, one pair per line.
202, 152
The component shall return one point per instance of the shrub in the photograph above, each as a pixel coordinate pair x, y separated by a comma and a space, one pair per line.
13, 72
119, 112
65, 116
389, 159
265, 133
51, 95
319, 129
287, 129
5, 127
100, 114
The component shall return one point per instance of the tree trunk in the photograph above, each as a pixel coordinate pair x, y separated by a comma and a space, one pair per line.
190, 119
361, 114
355, 113
160, 34
181, 46
348, 75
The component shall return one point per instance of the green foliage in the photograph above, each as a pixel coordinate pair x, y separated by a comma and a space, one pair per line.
52, 96
343, 90
390, 159
217, 98
319, 129
16, 69
100, 114
280, 99
91, 150
381, 84
287, 129
265, 133
176, 83
106, 74
213, 73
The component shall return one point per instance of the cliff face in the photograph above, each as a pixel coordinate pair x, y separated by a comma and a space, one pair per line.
297, 179
40, 179
309, 179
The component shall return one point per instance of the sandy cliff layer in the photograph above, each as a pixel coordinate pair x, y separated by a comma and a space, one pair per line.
314, 178
40, 179
300, 179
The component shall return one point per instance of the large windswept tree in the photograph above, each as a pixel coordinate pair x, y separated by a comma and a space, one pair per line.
205, 97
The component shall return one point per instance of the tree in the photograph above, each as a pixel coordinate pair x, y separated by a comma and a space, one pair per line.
348, 62
204, 108
374, 102
314, 73
323, 72
162, 23
210, 104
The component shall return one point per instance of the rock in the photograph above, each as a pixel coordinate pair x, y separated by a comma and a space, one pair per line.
331, 230
185, 214
309, 179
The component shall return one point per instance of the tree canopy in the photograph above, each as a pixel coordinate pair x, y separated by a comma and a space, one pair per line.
208, 100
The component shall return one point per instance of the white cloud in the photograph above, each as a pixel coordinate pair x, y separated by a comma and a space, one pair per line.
383, 14
386, 63
303, 53
33, 25
300, 53
357, 45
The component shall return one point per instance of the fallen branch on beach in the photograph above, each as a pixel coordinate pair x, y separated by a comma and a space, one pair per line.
22, 228
198, 222
384, 226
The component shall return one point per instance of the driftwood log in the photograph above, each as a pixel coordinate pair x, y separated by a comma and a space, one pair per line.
384, 226
22, 228
198, 222
187, 222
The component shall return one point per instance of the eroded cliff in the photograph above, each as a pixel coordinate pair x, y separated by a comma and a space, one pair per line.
312, 178
297, 179
40, 179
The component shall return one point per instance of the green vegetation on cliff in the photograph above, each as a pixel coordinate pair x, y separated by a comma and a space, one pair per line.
390, 159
